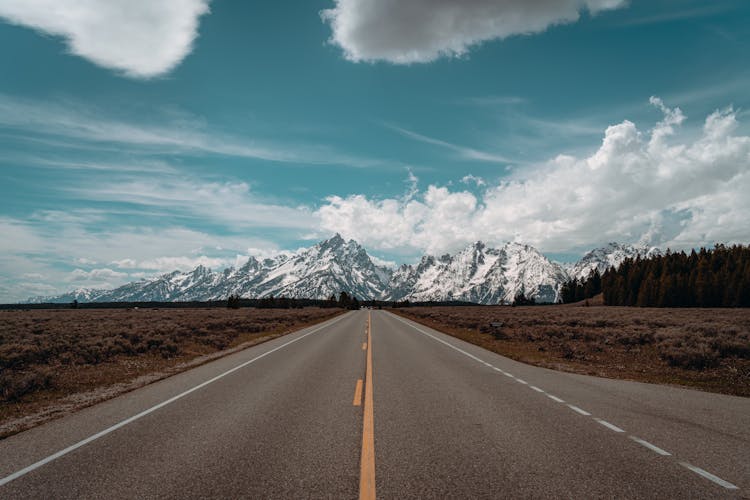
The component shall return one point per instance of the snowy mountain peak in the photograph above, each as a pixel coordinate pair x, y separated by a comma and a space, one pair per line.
610, 255
201, 270
478, 273
336, 241
477, 246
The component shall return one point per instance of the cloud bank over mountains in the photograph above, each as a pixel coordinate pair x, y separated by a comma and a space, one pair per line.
139, 38
664, 186
419, 31
672, 185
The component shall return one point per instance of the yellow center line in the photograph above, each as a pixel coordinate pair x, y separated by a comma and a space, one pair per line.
367, 464
358, 393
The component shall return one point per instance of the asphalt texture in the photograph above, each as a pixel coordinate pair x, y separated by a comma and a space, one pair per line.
451, 420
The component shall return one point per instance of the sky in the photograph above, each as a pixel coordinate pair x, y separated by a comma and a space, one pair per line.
141, 137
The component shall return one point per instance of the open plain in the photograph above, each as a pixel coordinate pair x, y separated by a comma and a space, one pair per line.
707, 349
56, 361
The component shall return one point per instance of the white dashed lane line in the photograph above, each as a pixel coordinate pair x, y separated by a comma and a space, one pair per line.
709, 476
579, 410
650, 446
608, 425
612, 427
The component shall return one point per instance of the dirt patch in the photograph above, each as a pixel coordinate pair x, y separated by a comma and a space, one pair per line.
53, 362
707, 349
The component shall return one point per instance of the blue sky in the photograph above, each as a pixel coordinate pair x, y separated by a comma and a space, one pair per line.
137, 139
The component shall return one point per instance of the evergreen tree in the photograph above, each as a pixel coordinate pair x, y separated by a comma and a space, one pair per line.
344, 300
233, 302
719, 277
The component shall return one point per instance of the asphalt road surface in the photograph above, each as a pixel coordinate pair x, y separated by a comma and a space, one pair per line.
393, 410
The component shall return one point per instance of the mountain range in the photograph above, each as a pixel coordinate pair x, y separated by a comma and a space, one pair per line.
478, 273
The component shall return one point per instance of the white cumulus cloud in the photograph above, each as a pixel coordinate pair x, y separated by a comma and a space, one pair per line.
415, 31
95, 274
665, 185
473, 179
140, 38
180, 263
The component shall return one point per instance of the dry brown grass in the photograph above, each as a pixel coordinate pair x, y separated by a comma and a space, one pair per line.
703, 348
47, 356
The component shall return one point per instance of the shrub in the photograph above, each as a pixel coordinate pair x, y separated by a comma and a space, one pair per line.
15, 385
691, 358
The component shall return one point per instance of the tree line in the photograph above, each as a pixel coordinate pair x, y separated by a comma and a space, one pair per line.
578, 290
718, 277
344, 300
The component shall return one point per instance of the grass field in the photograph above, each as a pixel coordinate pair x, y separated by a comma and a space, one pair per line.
55, 361
702, 348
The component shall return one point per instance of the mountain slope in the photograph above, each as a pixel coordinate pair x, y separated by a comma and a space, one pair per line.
480, 274
610, 255
318, 272
325, 269
477, 273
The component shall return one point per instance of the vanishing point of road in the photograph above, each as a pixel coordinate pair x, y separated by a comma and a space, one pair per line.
372, 405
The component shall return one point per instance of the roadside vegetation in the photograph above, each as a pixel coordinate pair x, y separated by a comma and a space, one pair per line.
49, 355
703, 348
719, 277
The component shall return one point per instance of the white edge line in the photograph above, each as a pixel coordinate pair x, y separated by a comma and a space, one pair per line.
608, 425
537, 389
650, 446
613, 427
521, 381
443, 341
579, 410
129, 420
709, 476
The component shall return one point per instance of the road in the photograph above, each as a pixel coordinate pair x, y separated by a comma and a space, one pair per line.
393, 410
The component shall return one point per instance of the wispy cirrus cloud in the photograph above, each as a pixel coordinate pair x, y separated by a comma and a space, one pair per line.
138, 38
463, 151
679, 14
734, 87
495, 100
73, 124
50, 161
231, 205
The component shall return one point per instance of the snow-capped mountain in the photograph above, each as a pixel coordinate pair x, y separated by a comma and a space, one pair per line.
318, 272
480, 274
610, 255
477, 273
325, 269
79, 294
